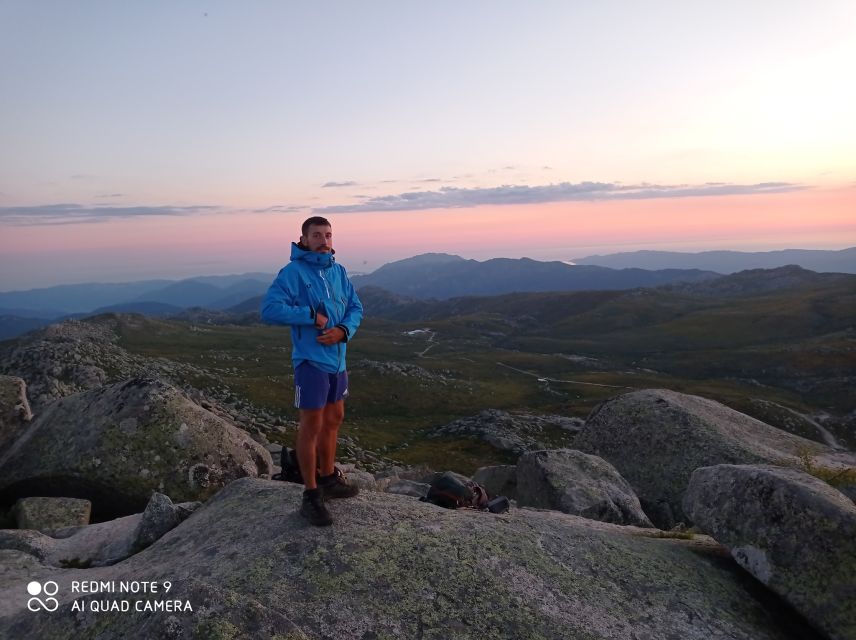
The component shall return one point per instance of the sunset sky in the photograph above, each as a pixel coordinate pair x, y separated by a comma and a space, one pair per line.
172, 139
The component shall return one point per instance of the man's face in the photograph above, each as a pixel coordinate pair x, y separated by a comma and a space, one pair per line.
318, 238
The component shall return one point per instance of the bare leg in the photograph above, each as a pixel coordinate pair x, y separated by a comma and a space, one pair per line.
308, 441
333, 414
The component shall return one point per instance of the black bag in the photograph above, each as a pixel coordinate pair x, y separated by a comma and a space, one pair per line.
290, 467
500, 504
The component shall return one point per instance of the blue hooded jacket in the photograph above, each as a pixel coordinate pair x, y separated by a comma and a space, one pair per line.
313, 282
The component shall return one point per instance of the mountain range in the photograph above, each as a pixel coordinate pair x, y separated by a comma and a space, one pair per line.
843, 261
216, 292
433, 276
425, 276
440, 275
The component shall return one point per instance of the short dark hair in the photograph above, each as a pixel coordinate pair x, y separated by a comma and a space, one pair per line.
316, 220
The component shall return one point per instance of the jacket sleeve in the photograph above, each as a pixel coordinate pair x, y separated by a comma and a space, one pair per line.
353, 310
280, 304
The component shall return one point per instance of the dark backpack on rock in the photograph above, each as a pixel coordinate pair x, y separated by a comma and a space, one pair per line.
290, 467
452, 492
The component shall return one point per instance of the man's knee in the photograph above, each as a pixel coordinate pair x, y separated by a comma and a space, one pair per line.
334, 414
311, 421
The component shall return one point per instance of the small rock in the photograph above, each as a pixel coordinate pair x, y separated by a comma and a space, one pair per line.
160, 516
362, 479
47, 514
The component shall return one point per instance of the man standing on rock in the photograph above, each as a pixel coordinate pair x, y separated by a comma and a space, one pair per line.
313, 295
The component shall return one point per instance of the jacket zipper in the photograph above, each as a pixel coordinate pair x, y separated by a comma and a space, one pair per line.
339, 344
324, 280
335, 302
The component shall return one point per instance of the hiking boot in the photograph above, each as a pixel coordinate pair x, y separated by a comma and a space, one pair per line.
312, 508
335, 486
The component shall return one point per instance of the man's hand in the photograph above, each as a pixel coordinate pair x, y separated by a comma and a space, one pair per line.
331, 336
320, 320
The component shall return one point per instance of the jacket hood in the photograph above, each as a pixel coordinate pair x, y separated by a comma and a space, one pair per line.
322, 260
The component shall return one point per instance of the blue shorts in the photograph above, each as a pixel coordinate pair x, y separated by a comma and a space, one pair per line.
313, 388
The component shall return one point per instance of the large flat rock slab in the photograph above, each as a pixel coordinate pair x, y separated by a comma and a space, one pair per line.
394, 567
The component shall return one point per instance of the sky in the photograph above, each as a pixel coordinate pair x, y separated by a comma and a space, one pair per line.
166, 140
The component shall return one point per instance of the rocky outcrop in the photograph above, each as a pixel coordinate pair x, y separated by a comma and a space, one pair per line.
793, 532
15, 413
399, 568
117, 444
48, 514
102, 544
515, 432
66, 358
577, 483
656, 438
405, 370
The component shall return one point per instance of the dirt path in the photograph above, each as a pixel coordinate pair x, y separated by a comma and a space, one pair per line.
431, 344
546, 379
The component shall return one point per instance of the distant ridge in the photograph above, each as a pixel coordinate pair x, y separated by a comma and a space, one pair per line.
841, 261
755, 282
145, 308
79, 298
187, 293
438, 275
217, 292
